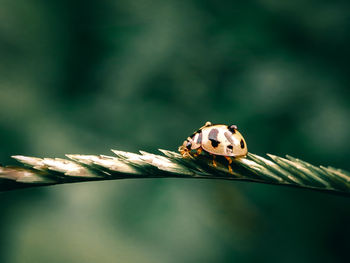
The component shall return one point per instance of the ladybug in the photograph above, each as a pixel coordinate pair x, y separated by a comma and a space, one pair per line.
216, 139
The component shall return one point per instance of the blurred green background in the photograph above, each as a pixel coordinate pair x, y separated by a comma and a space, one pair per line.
87, 76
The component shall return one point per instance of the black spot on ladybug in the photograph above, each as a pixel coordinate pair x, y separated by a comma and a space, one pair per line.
199, 139
232, 128
228, 137
188, 145
214, 143
242, 143
229, 149
197, 131
213, 137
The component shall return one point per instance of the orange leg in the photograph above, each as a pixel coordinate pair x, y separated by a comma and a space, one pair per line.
214, 163
184, 152
229, 164
199, 151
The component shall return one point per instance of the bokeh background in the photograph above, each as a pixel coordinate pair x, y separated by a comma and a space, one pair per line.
87, 76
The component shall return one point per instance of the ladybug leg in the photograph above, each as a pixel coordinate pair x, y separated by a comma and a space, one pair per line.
184, 151
186, 154
199, 151
214, 162
229, 164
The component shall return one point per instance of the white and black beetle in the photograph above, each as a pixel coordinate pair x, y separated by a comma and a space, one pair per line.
216, 139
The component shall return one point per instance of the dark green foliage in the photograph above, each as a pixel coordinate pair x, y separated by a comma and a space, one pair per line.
82, 76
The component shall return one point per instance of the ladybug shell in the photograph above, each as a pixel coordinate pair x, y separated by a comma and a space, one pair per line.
219, 140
